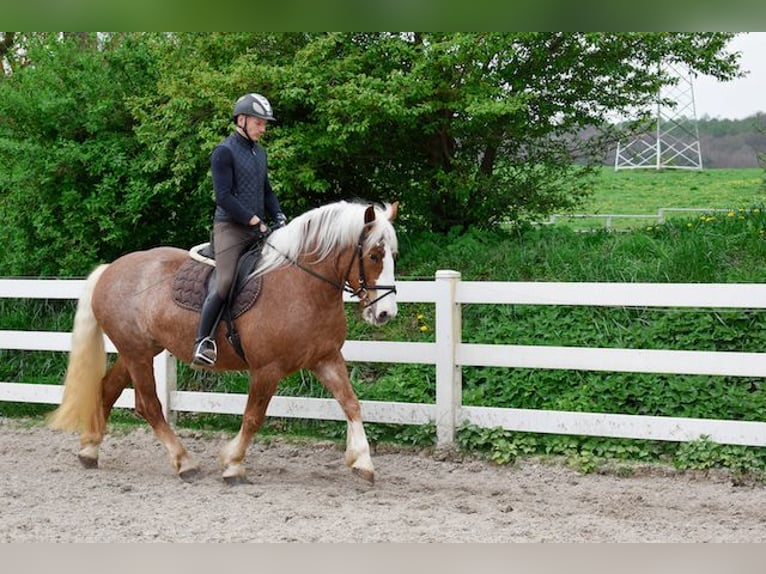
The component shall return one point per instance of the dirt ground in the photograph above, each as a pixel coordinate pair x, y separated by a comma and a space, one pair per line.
304, 493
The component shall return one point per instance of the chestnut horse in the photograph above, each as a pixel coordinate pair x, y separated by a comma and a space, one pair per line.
298, 322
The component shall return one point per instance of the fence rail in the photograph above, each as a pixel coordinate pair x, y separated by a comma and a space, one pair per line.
449, 355
609, 218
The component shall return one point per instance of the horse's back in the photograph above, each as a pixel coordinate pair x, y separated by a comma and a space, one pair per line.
141, 272
134, 291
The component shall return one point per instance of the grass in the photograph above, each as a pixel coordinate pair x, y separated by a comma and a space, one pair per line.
645, 192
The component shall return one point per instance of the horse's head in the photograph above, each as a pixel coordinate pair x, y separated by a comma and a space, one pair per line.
365, 241
371, 275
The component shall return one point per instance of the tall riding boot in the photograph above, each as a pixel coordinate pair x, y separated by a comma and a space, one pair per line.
205, 348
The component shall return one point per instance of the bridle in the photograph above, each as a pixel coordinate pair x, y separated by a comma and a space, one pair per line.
362, 292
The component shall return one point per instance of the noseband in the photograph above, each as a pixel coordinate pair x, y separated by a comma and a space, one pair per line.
362, 292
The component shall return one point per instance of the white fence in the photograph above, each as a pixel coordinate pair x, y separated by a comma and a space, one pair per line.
609, 218
449, 355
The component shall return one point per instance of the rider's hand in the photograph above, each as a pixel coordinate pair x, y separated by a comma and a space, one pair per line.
280, 220
259, 225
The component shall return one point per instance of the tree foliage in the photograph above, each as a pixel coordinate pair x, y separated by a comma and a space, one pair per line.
71, 190
105, 139
469, 128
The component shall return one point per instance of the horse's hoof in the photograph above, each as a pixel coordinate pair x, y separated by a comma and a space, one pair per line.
368, 475
189, 474
236, 480
87, 461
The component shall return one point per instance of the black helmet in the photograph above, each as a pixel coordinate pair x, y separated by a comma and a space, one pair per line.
253, 105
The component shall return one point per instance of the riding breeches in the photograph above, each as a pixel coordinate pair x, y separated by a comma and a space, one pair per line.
229, 241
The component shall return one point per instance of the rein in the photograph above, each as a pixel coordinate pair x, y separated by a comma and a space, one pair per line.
362, 292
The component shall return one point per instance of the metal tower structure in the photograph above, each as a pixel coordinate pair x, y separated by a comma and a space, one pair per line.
673, 141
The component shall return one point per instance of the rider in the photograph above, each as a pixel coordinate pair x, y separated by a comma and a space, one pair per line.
243, 194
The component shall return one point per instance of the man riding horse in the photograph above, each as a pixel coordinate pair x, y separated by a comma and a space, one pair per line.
242, 195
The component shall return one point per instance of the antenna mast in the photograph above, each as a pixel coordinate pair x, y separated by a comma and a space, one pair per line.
673, 142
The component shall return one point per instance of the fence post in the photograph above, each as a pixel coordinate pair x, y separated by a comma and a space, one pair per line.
448, 374
165, 369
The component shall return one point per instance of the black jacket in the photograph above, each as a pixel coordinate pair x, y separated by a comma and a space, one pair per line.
241, 181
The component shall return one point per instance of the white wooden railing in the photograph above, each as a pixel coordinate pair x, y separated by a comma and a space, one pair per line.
609, 218
449, 355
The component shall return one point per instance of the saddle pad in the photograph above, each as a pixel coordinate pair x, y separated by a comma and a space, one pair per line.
190, 288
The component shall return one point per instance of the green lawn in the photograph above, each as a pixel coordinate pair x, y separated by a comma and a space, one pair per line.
644, 192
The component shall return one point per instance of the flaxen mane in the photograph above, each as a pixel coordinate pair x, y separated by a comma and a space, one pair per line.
318, 231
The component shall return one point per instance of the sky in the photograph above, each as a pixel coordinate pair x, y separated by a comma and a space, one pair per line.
742, 97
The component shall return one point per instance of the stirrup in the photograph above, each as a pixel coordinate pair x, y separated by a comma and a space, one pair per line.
205, 353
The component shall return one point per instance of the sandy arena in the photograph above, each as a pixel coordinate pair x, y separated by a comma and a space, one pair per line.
302, 492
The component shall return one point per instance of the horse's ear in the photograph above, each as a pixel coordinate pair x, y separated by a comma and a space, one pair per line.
369, 214
394, 210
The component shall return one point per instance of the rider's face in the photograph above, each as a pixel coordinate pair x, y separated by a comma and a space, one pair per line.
253, 127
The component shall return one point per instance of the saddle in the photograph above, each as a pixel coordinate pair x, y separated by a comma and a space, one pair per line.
196, 276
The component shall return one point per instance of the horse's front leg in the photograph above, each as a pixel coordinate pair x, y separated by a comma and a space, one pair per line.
262, 387
333, 374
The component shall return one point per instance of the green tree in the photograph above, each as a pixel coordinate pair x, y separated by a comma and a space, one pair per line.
468, 128
105, 139
188, 112
72, 192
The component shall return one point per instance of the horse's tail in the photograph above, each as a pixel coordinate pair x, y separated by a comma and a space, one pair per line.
81, 407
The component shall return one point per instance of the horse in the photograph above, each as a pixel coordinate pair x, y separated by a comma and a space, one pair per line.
297, 322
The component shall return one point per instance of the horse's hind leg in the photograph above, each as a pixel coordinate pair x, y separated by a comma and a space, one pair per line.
114, 382
334, 376
149, 407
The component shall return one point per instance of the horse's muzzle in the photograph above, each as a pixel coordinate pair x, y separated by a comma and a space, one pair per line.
381, 309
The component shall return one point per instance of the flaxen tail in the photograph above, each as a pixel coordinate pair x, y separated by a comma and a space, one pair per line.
81, 407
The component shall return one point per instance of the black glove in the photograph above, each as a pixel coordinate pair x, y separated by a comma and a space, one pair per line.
262, 234
280, 220
256, 235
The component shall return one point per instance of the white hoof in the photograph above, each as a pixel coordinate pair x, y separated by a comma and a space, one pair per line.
88, 456
235, 474
365, 473
188, 471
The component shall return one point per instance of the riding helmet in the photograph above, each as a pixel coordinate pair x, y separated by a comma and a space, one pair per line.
253, 105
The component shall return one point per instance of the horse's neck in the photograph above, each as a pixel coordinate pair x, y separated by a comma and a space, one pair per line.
332, 270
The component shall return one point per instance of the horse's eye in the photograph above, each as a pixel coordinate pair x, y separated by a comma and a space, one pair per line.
375, 258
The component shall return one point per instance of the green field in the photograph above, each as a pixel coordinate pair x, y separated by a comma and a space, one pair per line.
645, 192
